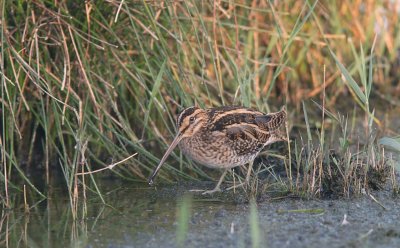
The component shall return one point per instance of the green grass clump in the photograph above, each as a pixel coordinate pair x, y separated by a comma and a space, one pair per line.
85, 84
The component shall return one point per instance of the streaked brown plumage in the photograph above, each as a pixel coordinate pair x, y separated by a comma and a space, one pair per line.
224, 137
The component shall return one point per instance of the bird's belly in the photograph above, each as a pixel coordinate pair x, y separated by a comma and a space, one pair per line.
216, 154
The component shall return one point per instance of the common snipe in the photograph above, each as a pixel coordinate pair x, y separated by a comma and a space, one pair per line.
224, 137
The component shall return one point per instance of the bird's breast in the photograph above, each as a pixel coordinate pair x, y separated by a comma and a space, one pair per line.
216, 151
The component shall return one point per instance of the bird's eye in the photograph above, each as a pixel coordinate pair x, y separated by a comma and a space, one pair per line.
192, 119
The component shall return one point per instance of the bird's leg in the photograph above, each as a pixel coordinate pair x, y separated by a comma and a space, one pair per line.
247, 180
217, 187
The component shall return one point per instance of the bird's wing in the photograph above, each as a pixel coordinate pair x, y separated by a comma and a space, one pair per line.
242, 131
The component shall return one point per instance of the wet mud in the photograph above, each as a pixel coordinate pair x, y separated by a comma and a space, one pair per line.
141, 216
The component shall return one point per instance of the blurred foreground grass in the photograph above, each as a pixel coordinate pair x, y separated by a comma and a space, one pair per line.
87, 83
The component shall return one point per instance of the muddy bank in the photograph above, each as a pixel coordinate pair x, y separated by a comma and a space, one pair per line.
287, 222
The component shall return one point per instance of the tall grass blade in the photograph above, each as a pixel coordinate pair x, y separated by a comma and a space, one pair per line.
255, 232
300, 22
309, 137
349, 79
154, 92
183, 215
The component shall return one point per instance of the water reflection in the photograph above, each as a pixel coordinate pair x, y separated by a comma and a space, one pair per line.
48, 223
132, 216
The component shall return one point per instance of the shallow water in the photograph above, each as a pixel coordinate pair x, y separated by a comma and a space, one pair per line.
141, 216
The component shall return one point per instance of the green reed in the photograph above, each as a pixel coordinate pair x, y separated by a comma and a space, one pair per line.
86, 84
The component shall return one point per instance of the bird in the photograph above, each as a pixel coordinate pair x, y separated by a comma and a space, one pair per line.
224, 137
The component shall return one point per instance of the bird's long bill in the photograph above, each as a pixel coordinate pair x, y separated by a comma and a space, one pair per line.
169, 150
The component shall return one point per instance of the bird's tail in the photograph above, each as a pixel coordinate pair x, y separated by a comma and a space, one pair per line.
272, 121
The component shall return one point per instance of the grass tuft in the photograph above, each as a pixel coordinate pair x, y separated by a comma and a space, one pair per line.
85, 84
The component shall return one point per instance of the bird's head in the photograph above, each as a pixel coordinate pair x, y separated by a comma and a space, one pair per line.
189, 122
